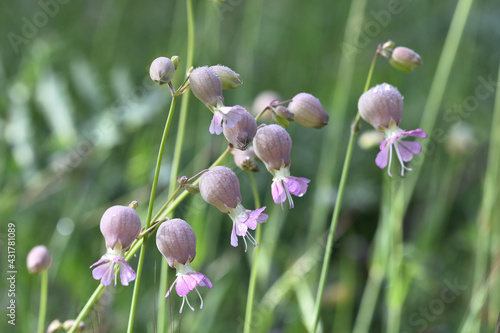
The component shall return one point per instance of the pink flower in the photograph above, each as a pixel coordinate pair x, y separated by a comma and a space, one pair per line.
244, 219
187, 280
225, 116
107, 269
284, 185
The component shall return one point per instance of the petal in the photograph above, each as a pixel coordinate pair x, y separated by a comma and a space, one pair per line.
233, 116
255, 217
205, 282
170, 289
104, 273
241, 229
186, 283
418, 133
278, 192
100, 261
216, 124
234, 239
127, 274
382, 156
296, 185
407, 149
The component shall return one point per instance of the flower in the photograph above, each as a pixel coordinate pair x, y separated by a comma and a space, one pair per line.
382, 107
272, 145
120, 226
176, 241
225, 116
162, 70
405, 59
308, 111
206, 86
220, 187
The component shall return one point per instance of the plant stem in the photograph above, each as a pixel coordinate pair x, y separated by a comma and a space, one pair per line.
253, 274
93, 298
338, 204
140, 264
43, 301
181, 129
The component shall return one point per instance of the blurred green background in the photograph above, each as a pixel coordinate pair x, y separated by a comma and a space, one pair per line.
80, 126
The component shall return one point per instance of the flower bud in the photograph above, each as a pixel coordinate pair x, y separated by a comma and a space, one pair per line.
176, 60
120, 224
54, 326
272, 145
162, 70
405, 59
206, 86
220, 187
308, 111
39, 259
381, 104
242, 133
229, 78
68, 324
245, 159
284, 112
176, 241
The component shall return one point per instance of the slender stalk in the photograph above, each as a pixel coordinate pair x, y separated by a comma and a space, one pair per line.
336, 211
140, 264
253, 274
93, 298
43, 301
181, 130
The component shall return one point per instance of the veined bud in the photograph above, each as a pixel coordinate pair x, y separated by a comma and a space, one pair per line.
220, 187
39, 259
206, 86
381, 104
176, 60
176, 241
242, 133
229, 78
308, 111
162, 70
245, 159
272, 145
405, 59
120, 224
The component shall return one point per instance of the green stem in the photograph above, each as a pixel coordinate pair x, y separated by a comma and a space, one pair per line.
179, 142
43, 301
93, 298
253, 274
338, 204
140, 264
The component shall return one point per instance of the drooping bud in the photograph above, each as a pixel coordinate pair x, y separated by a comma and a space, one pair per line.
206, 86
220, 187
176, 60
242, 133
162, 70
120, 225
272, 145
176, 240
245, 159
229, 78
381, 104
405, 59
39, 259
308, 111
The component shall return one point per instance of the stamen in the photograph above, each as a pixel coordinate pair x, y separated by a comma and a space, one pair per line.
201, 299
252, 239
390, 161
187, 301
288, 195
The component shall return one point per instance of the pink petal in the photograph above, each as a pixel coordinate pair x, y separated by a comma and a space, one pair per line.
104, 273
296, 185
418, 133
278, 192
232, 117
170, 289
255, 217
407, 149
127, 274
186, 283
383, 156
216, 124
241, 229
234, 239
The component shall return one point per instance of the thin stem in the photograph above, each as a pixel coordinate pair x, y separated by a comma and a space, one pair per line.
338, 204
253, 274
150, 213
181, 129
43, 301
93, 298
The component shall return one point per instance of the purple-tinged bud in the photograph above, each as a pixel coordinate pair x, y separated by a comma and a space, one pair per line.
308, 111
242, 133
405, 59
39, 259
220, 187
272, 145
176, 240
229, 78
245, 159
120, 225
162, 70
206, 86
381, 104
